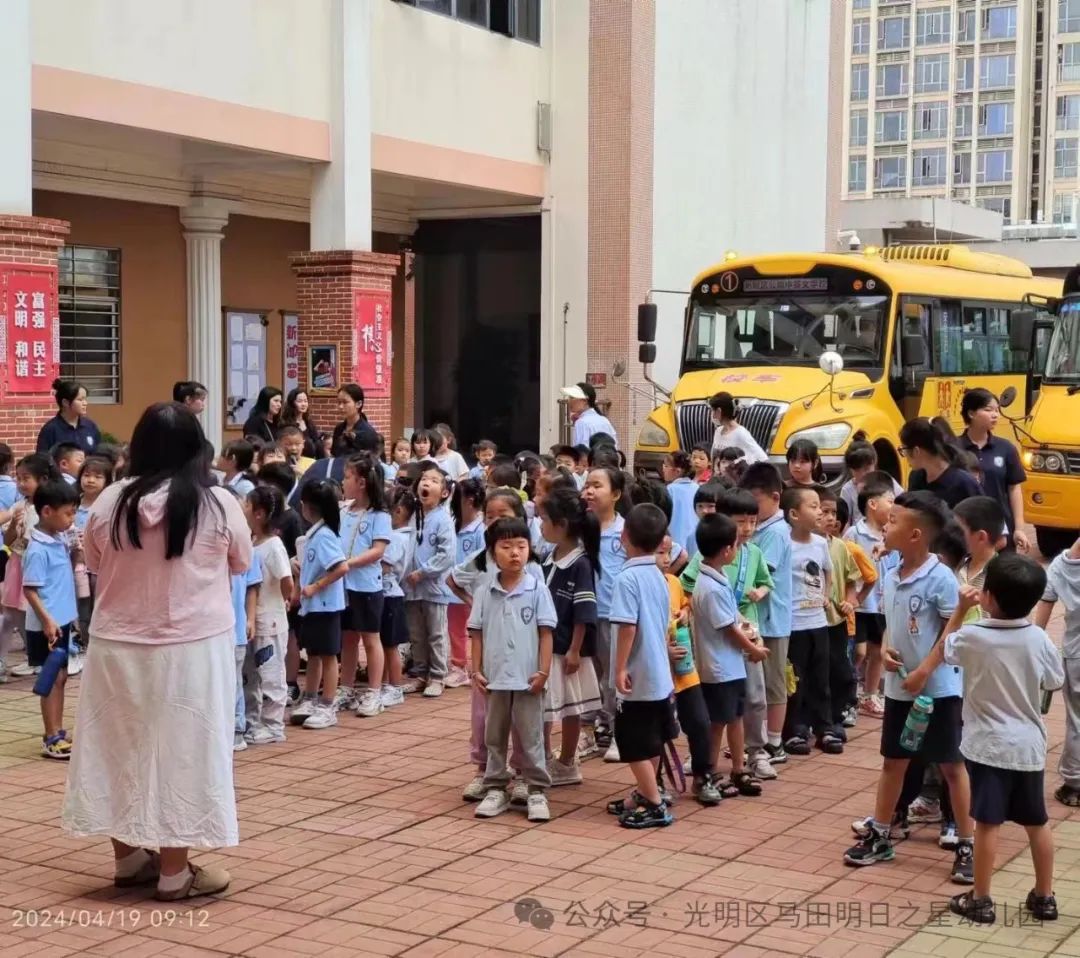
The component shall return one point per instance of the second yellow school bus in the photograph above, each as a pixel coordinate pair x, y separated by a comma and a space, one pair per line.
915, 326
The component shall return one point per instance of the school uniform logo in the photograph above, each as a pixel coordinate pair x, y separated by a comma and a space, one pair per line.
615, 546
468, 545
310, 556
999, 461
527, 614
915, 604
363, 526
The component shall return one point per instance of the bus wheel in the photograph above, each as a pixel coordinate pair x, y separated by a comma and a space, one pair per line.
1053, 541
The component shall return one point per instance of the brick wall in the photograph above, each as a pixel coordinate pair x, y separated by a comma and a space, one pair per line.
35, 241
326, 282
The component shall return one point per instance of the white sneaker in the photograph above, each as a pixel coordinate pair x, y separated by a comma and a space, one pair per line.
369, 704
924, 811
495, 803
75, 663
260, 735
851, 716
303, 711
25, 670
344, 699
323, 717
475, 790
238, 743
434, 689
564, 774
411, 685
759, 766
457, 677
538, 808
612, 754
519, 793
293, 696
391, 695
586, 746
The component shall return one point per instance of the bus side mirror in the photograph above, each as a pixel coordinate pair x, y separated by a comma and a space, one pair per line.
912, 351
1021, 330
646, 353
646, 323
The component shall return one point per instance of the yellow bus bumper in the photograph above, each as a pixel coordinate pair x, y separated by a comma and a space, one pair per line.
1052, 501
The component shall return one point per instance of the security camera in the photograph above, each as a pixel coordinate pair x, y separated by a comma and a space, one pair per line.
854, 243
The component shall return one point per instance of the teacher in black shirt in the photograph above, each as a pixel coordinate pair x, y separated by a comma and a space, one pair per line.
933, 463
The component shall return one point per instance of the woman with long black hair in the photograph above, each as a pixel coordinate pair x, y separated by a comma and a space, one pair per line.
297, 412
265, 417
933, 460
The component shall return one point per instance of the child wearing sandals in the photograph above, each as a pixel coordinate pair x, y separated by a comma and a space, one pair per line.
467, 506
570, 574
395, 561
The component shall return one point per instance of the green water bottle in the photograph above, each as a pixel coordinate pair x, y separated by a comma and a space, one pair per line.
918, 720
685, 665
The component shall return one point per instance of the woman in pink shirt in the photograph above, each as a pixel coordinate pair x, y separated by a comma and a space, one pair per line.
153, 766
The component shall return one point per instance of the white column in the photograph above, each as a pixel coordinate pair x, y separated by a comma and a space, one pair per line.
203, 222
15, 157
341, 189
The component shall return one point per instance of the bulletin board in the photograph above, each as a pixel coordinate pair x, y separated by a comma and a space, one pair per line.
245, 363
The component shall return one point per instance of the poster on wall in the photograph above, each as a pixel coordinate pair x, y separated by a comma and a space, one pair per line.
323, 368
290, 326
29, 333
371, 341
245, 355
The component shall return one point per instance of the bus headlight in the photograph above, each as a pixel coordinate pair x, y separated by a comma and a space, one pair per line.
1045, 460
832, 436
653, 435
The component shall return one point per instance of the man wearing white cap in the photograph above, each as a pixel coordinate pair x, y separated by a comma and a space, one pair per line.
587, 421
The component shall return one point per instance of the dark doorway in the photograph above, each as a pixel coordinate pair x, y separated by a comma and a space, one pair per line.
478, 301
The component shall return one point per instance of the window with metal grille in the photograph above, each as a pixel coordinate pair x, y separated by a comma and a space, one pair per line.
513, 18
89, 288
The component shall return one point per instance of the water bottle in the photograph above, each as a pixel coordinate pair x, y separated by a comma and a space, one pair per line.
1047, 697
56, 660
685, 665
918, 720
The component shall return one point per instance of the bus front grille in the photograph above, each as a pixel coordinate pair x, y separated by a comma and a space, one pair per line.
759, 416
1073, 460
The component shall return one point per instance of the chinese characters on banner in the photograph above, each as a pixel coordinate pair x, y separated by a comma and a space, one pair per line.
371, 341
291, 326
29, 332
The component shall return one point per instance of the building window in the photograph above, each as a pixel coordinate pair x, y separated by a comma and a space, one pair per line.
861, 4
856, 175
1069, 62
1068, 112
890, 126
1068, 16
527, 20
1064, 210
932, 73
961, 168
860, 81
965, 26
857, 128
932, 26
89, 288
963, 120
890, 173
994, 166
513, 18
965, 74
860, 36
1065, 158
892, 79
996, 119
999, 204
894, 33
928, 167
931, 120
999, 23
997, 71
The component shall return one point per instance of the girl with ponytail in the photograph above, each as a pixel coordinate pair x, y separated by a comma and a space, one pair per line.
934, 462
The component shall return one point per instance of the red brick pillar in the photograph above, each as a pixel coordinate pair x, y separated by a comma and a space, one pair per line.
326, 294
28, 260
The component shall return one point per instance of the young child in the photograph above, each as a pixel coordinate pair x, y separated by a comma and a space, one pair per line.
581, 465
920, 597
445, 455
603, 491
420, 445
245, 597
291, 441
721, 642
69, 458
566, 457
570, 575
9, 492
94, 476
264, 666
860, 460
320, 594
427, 596
773, 537
30, 472
700, 463
748, 575
730, 463
399, 456
49, 587
875, 503
511, 628
235, 464
678, 471
270, 452
809, 709
1007, 662
467, 506
485, 451
394, 633
866, 581
640, 663
804, 464
982, 520
364, 533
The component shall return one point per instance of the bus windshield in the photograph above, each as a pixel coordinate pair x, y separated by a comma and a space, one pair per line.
1063, 357
787, 330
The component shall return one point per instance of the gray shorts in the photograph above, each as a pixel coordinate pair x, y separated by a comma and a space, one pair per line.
776, 671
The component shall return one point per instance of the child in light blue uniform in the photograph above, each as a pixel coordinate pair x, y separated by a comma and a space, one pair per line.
245, 593
682, 489
467, 506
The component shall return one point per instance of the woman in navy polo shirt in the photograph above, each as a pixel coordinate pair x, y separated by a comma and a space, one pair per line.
933, 463
70, 423
1002, 472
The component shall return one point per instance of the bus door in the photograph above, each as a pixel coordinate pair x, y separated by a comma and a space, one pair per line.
911, 366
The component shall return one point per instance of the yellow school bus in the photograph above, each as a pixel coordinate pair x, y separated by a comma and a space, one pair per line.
914, 326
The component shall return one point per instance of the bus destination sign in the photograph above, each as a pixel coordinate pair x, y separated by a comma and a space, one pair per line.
822, 279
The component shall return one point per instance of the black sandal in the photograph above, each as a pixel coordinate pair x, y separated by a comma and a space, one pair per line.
977, 910
622, 805
1068, 795
745, 783
728, 789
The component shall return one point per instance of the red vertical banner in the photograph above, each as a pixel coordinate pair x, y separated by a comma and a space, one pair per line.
371, 341
29, 332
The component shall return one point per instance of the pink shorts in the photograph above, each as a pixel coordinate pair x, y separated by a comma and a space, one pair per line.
11, 590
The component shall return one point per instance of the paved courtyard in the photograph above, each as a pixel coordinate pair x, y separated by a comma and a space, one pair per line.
355, 842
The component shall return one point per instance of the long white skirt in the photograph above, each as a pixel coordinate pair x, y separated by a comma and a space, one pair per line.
152, 764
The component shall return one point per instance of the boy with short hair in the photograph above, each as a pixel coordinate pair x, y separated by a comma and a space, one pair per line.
69, 458
245, 596
868, 578
861, 461
773, 537
705, 500
1007, 662
643, 684
49, 588
983, 521
291, 440
920, 597
875, 501
484, 451
721, 641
